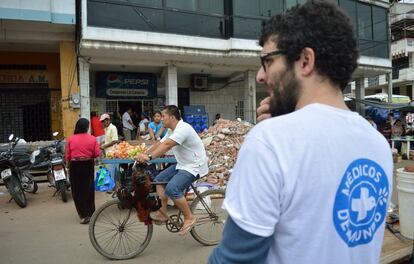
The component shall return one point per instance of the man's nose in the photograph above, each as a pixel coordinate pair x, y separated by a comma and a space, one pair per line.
261, 76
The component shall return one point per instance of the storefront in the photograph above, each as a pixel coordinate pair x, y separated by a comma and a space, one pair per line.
29, 95
114, 92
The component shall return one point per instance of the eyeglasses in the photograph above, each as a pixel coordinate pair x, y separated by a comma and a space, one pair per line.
264, 58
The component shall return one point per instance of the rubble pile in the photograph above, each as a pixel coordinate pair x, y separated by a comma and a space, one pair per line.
222, 142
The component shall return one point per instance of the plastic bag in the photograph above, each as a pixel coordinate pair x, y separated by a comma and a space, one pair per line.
104, 181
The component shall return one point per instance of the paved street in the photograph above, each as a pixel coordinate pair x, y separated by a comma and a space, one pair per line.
48, 231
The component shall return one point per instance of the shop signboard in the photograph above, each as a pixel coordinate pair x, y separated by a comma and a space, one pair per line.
126, 85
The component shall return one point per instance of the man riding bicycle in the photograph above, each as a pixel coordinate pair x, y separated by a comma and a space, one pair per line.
191, 164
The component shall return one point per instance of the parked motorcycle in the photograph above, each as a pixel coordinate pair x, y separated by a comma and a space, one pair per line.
57, 174
11, 174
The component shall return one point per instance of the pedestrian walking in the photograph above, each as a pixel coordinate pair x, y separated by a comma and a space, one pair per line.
81, 150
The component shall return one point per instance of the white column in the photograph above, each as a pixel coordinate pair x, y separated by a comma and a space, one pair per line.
360, 94
171, 85
84, 88
250, 96
389, 76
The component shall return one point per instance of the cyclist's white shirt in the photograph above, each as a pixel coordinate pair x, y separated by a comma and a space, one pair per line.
190, 152
318, 180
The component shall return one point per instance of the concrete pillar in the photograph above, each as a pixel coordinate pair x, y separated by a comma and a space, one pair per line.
412, 91
171, 85
389, 77
360, 94
85, 110
68, 85
411, 60
250, 96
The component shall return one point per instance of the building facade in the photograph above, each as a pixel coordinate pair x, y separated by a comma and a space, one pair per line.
146, 54
38, 68
62, 59
402, 48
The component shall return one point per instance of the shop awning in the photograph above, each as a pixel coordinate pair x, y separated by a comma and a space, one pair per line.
393, 107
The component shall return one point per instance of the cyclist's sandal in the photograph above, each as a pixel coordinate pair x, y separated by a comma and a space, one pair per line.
187, 227
158, 217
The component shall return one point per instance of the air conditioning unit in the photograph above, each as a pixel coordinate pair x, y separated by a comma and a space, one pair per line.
200, 82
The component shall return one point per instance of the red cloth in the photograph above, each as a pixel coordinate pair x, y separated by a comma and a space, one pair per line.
82, 146
96, 127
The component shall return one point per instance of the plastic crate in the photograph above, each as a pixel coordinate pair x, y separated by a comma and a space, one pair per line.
194, 110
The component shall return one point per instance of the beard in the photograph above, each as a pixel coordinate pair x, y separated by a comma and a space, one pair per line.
285, 94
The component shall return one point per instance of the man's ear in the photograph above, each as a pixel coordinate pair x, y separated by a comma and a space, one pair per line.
307, 61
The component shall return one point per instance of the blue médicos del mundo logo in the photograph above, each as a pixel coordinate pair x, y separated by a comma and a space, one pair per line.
361, 202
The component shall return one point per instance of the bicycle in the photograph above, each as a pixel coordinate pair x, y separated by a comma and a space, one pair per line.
116, 232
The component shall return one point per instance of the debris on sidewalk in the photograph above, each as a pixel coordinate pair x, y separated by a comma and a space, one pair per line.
222, 142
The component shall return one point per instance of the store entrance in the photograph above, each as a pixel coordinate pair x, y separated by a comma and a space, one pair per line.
123, 106
136, 110
25, 112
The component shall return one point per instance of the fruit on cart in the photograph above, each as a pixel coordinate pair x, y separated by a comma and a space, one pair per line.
124, 150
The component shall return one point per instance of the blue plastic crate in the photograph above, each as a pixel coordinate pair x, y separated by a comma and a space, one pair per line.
194, 110
197, 128
197, 119
189, 118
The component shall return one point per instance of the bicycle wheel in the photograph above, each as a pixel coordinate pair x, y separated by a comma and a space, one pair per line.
117, 233
210, 217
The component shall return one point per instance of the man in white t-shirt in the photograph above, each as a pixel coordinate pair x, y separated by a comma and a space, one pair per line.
312, 183
191, 159
128, 125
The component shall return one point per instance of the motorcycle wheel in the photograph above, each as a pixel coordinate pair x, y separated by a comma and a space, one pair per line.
16, 191
62, 189
33, 187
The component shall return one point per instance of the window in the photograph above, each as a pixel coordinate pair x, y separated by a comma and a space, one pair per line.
364, 21
258, 8
210, 6
124, 16
371, 27
349, 6
154, 3
189, 17
380, 30
249, 15
290, 3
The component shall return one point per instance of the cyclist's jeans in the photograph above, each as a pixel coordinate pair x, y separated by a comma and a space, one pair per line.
178, 181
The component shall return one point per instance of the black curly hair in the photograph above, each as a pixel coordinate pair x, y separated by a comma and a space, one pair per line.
319, 25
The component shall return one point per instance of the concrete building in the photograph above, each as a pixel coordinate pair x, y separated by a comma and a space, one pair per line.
38, 68
402, 48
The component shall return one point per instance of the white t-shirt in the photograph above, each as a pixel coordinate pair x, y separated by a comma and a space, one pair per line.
164, 138
318, 180
190, 153
125, 118
142, 124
